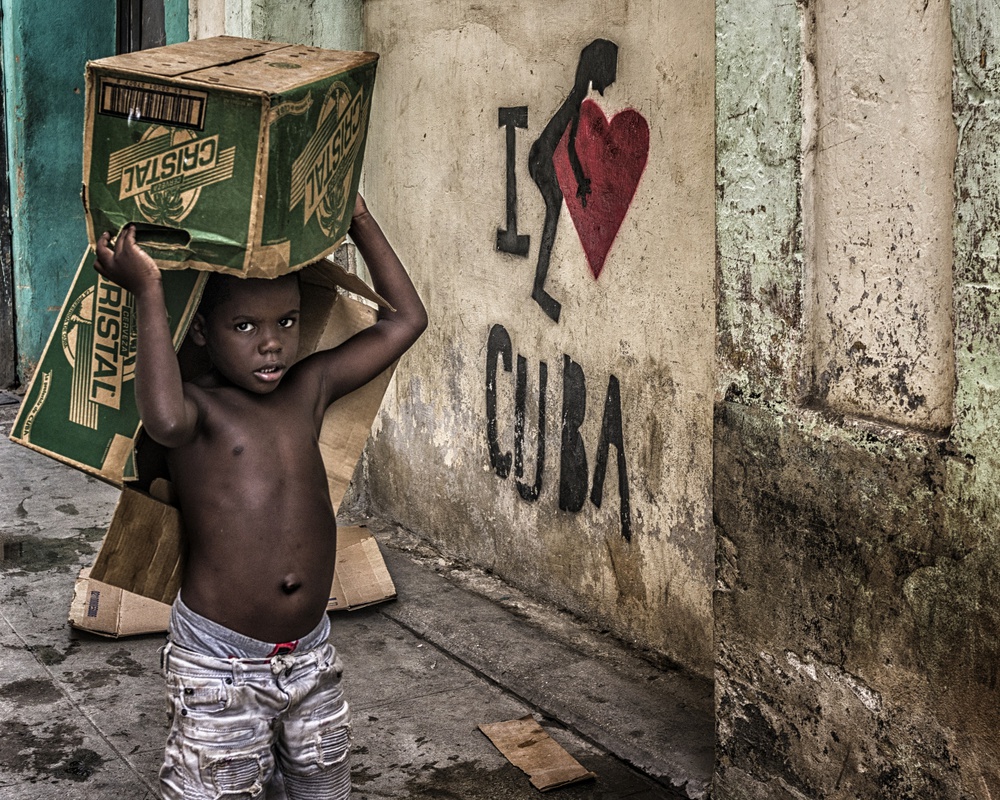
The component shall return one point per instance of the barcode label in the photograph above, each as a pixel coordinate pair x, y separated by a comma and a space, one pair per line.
171, 105
95, 600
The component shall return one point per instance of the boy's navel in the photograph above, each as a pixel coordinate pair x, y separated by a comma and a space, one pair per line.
290, 584
237, 450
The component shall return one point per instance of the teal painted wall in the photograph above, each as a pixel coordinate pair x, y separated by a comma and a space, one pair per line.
44, 57
175, 20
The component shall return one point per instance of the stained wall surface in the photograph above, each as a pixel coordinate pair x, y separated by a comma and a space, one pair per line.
855, 435
570, 455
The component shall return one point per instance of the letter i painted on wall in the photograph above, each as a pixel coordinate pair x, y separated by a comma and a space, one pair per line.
508, 240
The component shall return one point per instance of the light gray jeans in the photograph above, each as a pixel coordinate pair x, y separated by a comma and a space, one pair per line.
242, 726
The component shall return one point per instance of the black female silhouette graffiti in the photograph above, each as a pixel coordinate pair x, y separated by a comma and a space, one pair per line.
597, 68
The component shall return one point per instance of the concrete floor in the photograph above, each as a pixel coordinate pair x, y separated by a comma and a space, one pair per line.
83, 716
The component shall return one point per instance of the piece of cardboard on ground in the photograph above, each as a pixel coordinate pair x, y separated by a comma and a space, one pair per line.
108, 610
361, 577
233, 155
527, 746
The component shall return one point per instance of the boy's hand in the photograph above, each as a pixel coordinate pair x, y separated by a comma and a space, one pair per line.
360, 208
128, 265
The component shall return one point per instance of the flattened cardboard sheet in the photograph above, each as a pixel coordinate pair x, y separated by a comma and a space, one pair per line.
361, 578
142, 549
527, 746
80, 406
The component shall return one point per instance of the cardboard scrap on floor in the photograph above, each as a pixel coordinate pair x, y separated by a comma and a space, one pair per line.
528, 747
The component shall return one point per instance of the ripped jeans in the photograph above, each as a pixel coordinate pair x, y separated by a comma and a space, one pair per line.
236, 722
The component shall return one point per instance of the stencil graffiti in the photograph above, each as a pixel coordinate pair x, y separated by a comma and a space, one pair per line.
613, 154
594, 165
574, 474
598, 67
583, 158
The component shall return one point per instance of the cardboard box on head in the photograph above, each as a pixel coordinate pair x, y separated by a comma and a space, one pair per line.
80, 409
231, 155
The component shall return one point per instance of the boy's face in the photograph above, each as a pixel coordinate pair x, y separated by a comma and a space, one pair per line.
252, 334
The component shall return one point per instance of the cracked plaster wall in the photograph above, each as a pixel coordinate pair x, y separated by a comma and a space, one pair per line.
856, 609
437, 172
882, 155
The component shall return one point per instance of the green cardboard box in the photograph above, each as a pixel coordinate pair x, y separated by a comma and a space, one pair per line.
231, 155
80, 407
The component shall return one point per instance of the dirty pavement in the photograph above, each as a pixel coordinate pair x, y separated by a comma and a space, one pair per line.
83, 717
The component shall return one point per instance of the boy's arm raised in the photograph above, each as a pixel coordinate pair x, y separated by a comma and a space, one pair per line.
167, 414
373, 349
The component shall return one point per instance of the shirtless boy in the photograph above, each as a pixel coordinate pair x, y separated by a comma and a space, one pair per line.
254, 684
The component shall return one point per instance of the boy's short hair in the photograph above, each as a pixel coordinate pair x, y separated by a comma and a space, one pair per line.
218, 289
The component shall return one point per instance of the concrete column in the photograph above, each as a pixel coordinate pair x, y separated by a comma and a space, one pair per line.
855, 608
882, 205
759, 183
333, 24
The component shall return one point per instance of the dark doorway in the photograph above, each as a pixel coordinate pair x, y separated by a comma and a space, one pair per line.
8, 350
140, 25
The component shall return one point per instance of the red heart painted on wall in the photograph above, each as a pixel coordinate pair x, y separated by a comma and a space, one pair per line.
613, 156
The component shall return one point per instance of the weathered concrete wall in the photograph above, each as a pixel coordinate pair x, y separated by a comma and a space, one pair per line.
464, 90
977, 246
759, 224
334, 24
857, 614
